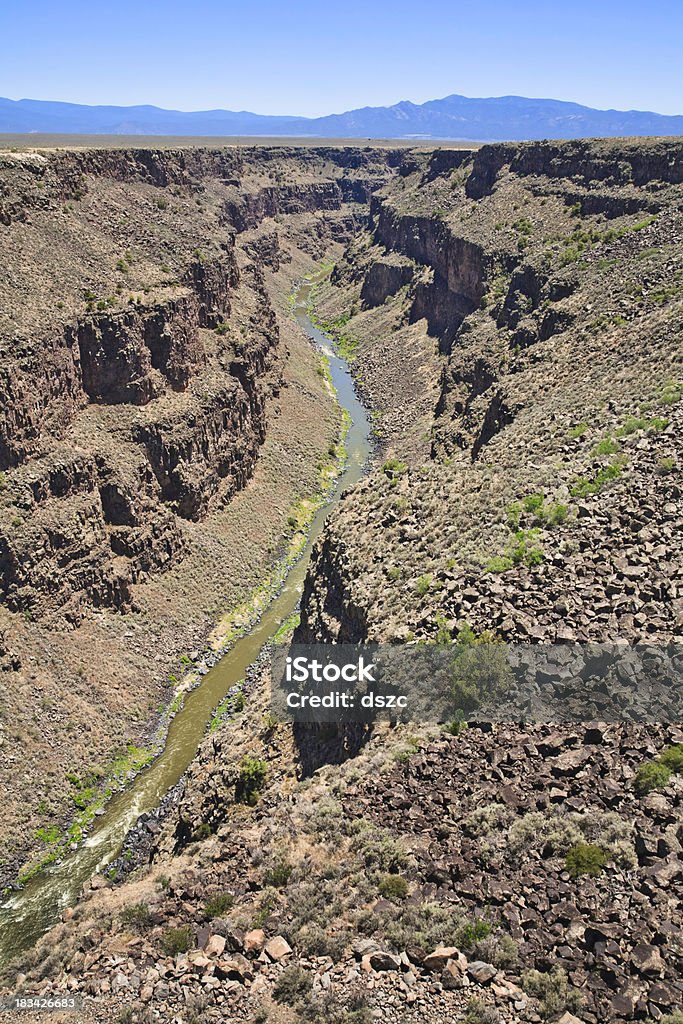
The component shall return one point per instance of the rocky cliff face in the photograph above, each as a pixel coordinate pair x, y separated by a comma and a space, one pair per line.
142, 344
557, 383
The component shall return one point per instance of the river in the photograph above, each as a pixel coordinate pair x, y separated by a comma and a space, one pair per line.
29, 913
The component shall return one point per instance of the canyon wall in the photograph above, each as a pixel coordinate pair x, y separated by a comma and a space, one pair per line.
546, 279
160, 418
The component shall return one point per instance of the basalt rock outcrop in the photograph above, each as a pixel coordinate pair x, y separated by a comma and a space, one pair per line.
143, 341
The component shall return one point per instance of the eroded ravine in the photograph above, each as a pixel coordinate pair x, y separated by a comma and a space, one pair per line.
37, 907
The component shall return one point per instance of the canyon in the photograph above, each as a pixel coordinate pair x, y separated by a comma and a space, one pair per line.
514, 317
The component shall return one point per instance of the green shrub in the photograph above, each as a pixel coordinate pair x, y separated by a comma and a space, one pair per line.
672, 758
523, 547
499, 563
534, 557
584, 486
513, 515
379, 849
608, 446
533, 502
251, 779
177, 940
585, 859
49, 835
293, 984
671, 394
217, 905
443, 632
331, 1009
479, 1012
422, 586
278, 875
552, 991
666, 464
578, 431
137, 916
471, 933
651, 776
393, 887
394, 468
479, 669
456, 724
554, 515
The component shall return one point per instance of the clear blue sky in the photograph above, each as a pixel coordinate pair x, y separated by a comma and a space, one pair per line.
329, 56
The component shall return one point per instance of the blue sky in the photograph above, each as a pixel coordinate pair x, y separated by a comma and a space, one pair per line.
325, 57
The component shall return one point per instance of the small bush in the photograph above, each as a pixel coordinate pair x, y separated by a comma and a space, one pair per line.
393, 887
293, 984
672, 758
651, 776
585, 859
533, 502
456, 724
552, 991
479, 670
578, 431
671, 394
251, 779
137, 916
330, 1009
473, 932
217, 905
667, 464
499, 563
478, 1012
608, 446
278, 875
379, 849
422, 586
554, 515
394, 468
177, 940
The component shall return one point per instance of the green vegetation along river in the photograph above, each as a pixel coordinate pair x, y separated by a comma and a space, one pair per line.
28, 913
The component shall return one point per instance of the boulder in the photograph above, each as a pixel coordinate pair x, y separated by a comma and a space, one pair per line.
215, 946
437, 960
255, 940
381, 961
277, 948
481, 972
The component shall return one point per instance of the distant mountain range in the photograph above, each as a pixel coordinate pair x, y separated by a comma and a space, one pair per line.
454, 117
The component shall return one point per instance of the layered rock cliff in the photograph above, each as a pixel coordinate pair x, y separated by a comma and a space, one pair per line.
160, 417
